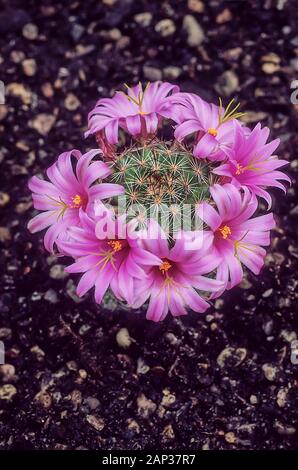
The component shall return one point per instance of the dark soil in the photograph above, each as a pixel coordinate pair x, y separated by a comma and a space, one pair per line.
222, 380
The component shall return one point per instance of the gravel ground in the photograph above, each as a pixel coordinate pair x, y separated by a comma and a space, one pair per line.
81, 376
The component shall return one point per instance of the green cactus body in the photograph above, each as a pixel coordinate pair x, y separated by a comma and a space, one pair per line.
164, 182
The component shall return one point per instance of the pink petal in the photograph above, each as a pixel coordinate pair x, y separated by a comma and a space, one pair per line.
133, 124
158, 305
102, 282
151, 121
85, 263
86, 282
205, 146
195, 301
176, 305
105, 191
145, 258
209, 215
186, 128
111, 131
42, 221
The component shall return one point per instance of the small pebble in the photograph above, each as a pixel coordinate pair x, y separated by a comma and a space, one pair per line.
270, 372
253, 399
57, 272
71, 292
92, 402
17, 57
194, 31
165, 27
3, 112
123, 42
269, 68
145, 406
227, 83
114, 34
168, 433
172, 72
19, 90
288, 336
77, 31
224, 17
5, 235
284, 429
281, 397
29, 67
251, 117
152, 73
43, 123
44, 399
233, 54
39, 353
30, 31
47, 90
76, 397
144, 19
196, 5
168, 398
230, 438
142, 368
71, 102
22, 207
123, 338
51, 296
96, 423
5, 333
245, 284
83, 374
72, 365
172, 339
133, 425
7, 392
231, 357
7, 372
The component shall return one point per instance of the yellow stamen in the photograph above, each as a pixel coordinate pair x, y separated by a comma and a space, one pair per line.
164, 267
229, 113
138, 100
77, 201
212, 131
116, 245
62, 207
105, 258
225, 231
169, 284
242, 248
240, 169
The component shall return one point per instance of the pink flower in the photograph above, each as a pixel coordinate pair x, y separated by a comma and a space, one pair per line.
114, 261
138, 112
213, 125
172, 284
251, 163
236, 238
67, 192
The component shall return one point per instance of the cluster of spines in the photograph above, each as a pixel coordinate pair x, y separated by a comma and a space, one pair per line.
162, 179
150, 174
